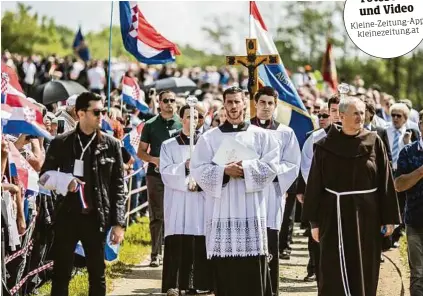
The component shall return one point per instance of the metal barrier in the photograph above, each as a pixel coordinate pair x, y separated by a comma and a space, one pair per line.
128, 200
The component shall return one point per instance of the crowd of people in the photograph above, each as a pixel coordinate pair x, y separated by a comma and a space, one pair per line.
224, 223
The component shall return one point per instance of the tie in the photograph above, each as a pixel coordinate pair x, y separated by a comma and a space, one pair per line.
395, 146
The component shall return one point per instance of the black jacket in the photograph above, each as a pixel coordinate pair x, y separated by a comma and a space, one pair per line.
108, 193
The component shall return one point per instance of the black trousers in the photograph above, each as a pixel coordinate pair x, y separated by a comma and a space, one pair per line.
68, 230
396, 235
287, 229
155, 189
273, 245
314, 253
185, 264
241, 276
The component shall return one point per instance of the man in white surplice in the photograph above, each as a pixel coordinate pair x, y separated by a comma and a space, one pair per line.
236, 209
185, 265
266, 99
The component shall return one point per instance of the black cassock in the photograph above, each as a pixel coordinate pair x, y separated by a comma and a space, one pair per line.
185, 264
344, 163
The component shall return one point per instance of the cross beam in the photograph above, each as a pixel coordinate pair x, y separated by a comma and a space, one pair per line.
252, 61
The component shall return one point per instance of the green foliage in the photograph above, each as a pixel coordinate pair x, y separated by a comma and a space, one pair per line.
193, 57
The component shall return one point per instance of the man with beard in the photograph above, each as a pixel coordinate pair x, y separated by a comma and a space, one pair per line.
157, 130
235, 205
185, 265
290, 156
350, 199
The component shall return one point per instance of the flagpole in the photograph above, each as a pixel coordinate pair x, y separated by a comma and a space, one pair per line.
109, 65
249, 20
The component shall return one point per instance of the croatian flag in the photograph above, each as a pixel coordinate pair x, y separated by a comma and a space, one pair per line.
110, 251
22, 170
6, 112
106, 126
9, 79
10, 84
140, 38
291, 110
131, 141
26, 118
132, 94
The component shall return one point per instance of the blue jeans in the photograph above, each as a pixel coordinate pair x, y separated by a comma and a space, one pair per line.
415, 259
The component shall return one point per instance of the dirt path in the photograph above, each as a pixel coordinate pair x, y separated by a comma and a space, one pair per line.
147, 281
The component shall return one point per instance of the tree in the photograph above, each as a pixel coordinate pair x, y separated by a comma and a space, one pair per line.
219, 34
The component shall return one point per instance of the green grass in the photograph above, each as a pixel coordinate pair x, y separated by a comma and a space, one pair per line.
134, 248
403, 251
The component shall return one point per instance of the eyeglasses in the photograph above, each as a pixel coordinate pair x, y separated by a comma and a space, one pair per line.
396, 115
168, 100
324, 116
97, 112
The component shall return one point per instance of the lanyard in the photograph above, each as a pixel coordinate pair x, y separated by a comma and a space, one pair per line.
86, 147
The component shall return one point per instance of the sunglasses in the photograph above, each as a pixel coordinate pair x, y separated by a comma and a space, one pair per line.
396, 115
324, 116
97, 112
168, 100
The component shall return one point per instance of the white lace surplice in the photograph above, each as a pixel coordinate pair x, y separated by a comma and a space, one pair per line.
183, 209
288, 170
235, 214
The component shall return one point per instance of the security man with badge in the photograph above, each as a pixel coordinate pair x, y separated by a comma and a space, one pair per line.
84, 166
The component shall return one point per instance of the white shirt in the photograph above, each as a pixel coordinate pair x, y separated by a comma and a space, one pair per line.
96, 77
30, 71
183, 209
308, 152
77, 67
390, 131
235, 213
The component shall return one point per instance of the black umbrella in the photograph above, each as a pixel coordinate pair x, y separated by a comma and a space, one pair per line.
175, 84
57, 90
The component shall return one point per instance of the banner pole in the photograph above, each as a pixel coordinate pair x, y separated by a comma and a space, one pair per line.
109, 65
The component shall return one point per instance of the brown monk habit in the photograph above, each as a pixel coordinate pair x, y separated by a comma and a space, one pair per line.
350, 163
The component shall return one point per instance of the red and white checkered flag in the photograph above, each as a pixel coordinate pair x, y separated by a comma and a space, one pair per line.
4, 83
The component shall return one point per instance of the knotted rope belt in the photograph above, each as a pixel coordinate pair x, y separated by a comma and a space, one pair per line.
342, 261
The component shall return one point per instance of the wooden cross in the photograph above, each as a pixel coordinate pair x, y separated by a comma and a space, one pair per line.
252, 61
